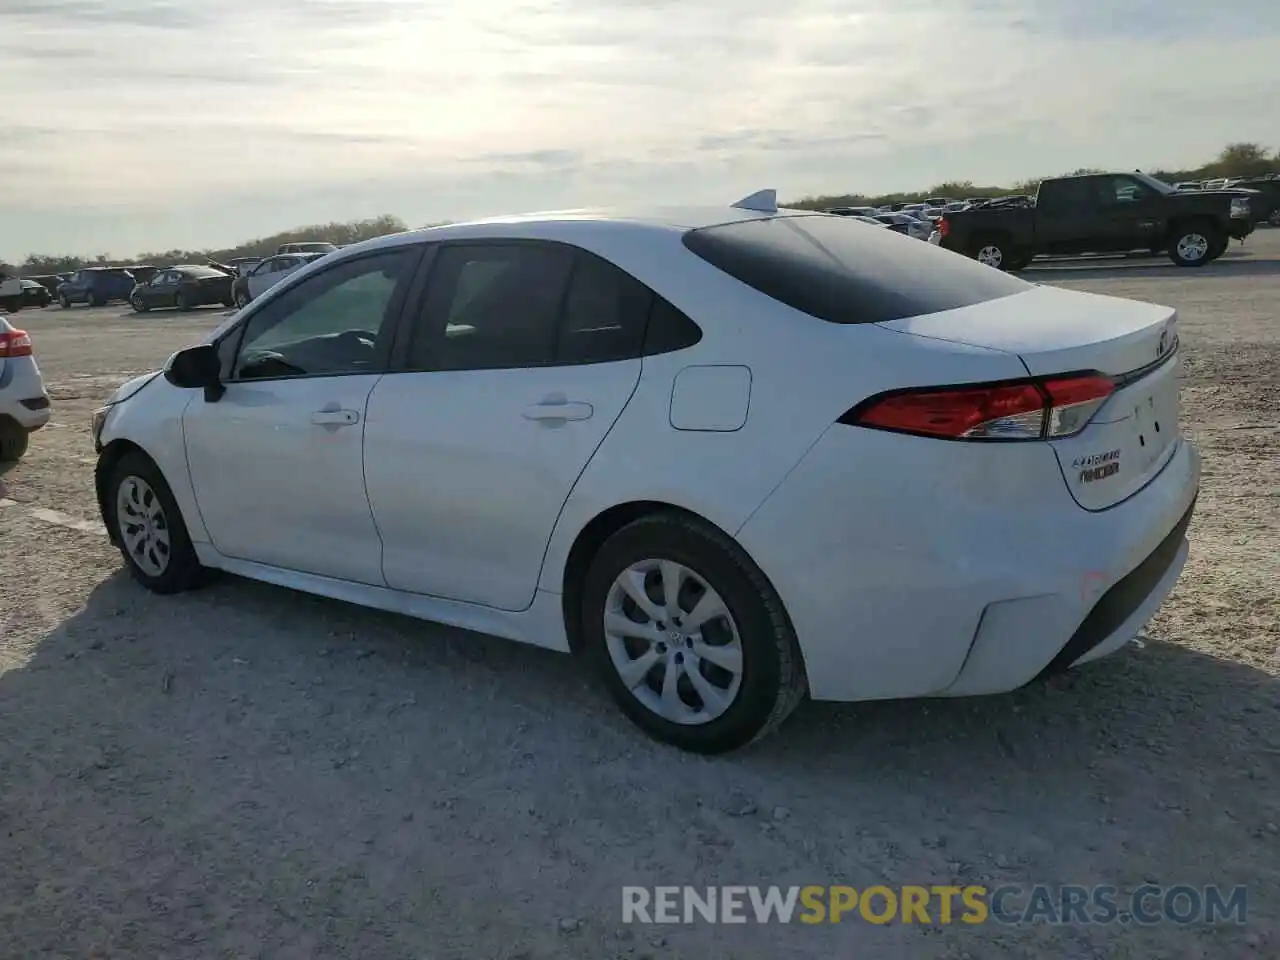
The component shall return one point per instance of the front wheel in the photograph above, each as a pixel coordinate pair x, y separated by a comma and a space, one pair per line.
688, 636
242, 298
183, 301
1196, 245
64, 301
13, 445
149, 529
139, 305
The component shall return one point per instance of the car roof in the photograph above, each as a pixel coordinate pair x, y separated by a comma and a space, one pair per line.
583, 222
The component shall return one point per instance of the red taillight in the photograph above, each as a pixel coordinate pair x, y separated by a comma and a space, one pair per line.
15, 343
943, 226
1035, 409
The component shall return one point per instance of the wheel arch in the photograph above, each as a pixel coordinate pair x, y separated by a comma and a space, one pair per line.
110, 456
593, 536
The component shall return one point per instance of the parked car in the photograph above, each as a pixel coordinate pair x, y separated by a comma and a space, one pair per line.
853, 211
35, 294
49, 282
96, 286
1265, 203
307, 246
938, 201
1185, 185
12, 293
243, 265
906, 225
1101, 213
24, 402
183, 287
467, 407
142, 272
267, 274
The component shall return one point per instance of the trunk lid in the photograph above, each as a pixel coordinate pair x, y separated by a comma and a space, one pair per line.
1053, 331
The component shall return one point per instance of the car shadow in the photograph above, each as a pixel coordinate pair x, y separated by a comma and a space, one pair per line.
1240, 265
271, 759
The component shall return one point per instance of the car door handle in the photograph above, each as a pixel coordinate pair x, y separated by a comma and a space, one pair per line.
556, 407
335, 418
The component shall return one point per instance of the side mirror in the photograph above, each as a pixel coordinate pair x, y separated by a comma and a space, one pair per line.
197, 367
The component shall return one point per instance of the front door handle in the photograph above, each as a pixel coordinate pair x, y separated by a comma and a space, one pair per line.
556, 407
335, 418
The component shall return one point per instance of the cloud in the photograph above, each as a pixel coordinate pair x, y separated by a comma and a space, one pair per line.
157, 118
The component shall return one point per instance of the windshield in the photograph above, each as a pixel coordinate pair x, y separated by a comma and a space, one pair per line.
1158, 185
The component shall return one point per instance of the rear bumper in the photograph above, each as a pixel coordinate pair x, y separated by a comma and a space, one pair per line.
912, 568
24, 404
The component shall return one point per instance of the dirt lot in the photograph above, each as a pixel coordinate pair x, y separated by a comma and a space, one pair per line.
248, 772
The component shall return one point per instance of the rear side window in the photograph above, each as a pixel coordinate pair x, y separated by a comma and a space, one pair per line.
604, 315
844, 271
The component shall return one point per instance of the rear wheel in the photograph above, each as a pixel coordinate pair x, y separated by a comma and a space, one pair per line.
1193, 245
242, 298
64, 301
688, 636
139, 305
183, 301
149, 529
13, 444
992, 251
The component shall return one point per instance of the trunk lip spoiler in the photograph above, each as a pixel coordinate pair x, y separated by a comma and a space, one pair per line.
1123, 380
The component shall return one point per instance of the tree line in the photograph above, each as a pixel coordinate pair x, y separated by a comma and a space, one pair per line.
1234, 160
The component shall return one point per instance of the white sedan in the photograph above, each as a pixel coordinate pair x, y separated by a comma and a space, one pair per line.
24, 402
731, 455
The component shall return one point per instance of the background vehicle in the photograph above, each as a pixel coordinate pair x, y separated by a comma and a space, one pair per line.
184, 287
1100, 213
268, 273
24, 403
96, 286
142, 272
243, 265
853, 211
307, 246
1265, 203
1186, 185
49, 282
905, 224
12, 294
467, 407
35, 294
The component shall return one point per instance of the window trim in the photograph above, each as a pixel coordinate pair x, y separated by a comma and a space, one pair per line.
393, 321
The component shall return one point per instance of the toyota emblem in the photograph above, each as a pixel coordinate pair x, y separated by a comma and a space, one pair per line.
1164, 343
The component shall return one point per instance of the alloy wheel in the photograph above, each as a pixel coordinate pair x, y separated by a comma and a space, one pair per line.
144, 528
991, 255
673, 642
1192, 247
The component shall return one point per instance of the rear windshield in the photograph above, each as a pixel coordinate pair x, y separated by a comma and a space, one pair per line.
843, 271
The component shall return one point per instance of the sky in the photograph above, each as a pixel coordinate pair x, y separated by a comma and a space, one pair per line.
145, 125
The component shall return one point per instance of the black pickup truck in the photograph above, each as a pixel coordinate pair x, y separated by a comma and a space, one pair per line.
1101, 213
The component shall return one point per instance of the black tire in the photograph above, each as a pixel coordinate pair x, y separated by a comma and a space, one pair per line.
995, 252
1204, 236
242, 298
183, 301
773, 680
64, 302
13, 445
182, 570
139, 305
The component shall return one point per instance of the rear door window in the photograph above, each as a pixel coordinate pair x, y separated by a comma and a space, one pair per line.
840, 271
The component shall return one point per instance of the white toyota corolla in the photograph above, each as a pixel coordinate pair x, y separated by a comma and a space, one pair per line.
732, 455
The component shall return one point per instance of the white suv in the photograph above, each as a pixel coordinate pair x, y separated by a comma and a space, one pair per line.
24, 404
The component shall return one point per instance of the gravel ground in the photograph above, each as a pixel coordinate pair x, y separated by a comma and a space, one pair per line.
249, 772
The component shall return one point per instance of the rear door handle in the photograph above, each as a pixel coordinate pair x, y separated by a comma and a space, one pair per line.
557, 408
335, 418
